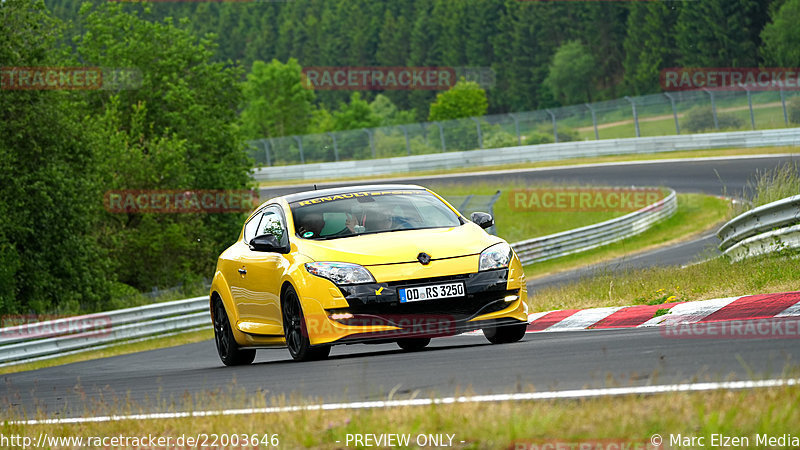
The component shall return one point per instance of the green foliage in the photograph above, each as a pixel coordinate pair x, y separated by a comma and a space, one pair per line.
701, 118
465, 99
354, 115
571, 74
536, 138
50, 194
772, 185
648, 48
781, 36
387, 112
275, 101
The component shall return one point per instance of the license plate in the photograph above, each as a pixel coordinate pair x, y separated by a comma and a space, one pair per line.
434, 291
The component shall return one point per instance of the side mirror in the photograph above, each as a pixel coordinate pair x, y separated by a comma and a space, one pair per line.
266, 243
483, 220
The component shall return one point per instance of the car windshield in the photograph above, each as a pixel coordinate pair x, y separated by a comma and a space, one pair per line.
357, 213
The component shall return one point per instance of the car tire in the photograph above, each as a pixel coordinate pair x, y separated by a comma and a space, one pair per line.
505, 334
295, 332
413, 344
229, 351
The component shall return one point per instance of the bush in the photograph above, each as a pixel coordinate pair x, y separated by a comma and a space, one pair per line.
495, 137
537, 138
701, 118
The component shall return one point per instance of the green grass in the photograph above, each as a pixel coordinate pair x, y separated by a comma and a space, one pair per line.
515, 226
631, 419
766, 117
696, 213
716, 278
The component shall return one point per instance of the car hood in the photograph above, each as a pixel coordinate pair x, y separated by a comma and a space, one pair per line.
400, 246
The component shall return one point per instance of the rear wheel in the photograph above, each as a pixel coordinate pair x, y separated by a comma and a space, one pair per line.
294, 329
229, 351
505, 334
413, 344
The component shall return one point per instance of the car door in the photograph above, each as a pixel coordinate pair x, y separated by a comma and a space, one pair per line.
257, 288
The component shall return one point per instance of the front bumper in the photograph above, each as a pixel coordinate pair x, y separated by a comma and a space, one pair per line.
376, 314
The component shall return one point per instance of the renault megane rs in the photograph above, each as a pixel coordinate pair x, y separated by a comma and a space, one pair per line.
367, 264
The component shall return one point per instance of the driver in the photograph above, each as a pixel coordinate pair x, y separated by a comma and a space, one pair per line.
311, 223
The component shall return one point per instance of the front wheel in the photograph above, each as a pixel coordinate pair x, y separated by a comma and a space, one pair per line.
295, 331
505, 334
227, 348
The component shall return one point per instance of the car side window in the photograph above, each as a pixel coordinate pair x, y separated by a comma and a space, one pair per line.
272, 222
251, 227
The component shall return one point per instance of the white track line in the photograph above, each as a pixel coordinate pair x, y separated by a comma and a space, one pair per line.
525, 396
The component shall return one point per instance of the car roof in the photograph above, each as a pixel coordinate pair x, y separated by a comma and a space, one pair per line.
307, 195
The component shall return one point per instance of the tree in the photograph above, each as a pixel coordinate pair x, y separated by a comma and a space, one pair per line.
650, 45
50, 197
781, 36
354, 115
387, 112
276, 102
173, 130
571, 77
465, 99
720, 33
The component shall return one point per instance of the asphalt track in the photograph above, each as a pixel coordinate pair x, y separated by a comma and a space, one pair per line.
162, 379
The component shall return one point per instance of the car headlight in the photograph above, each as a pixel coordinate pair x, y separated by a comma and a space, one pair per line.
340, 273
497, 256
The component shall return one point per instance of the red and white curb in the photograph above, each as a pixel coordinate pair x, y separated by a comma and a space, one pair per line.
748, 307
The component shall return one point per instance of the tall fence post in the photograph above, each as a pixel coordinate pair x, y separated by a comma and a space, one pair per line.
300, 145
480, 138
371, 140
783, 102
555, 127
266, 151
335, 145
441, 135
408, 142
674, 112
594, 121
516, 128
635, 116
713, 108
750, 105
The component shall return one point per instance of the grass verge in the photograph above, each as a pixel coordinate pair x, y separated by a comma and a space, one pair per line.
121, 349
696, 214
544, 164
716, 278
601, 421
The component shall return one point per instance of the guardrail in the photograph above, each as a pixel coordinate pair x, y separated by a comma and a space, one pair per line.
529, 153
42, 340
592, 236
765, 229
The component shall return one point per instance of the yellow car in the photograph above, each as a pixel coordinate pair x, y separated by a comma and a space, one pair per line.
367, 264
